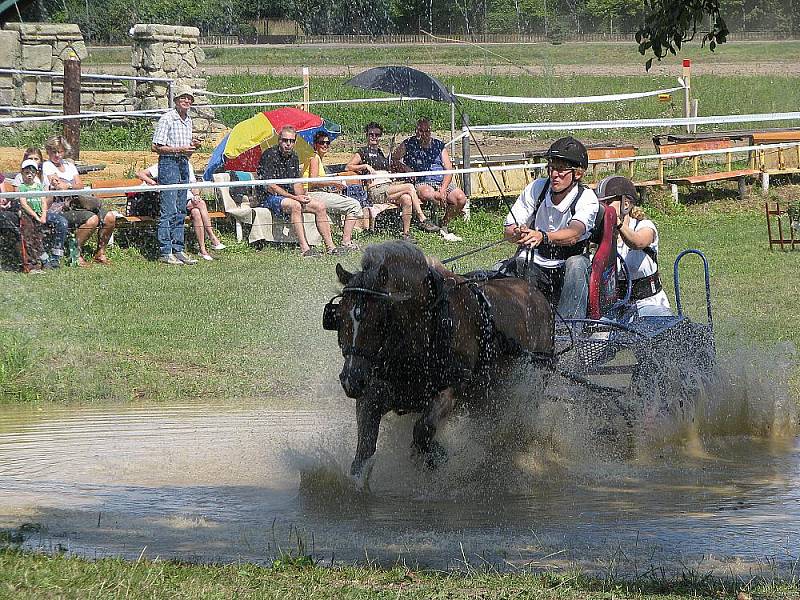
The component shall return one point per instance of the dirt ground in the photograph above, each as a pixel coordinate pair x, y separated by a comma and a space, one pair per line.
124, 164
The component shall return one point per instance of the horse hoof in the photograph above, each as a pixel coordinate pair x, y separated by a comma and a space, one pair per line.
360, 473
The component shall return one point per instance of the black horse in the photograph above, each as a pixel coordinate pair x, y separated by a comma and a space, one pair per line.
418, 338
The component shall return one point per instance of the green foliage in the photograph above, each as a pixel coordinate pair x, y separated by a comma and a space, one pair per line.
670, 23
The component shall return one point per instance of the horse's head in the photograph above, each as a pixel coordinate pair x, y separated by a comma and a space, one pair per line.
379, 311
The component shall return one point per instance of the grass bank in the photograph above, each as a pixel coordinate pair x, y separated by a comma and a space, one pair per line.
248, 324
25, 575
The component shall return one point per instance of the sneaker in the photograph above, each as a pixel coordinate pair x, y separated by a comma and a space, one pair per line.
351, 246
339, 251
206, 257
310, 253
449, 237
54, 262
185, 258
428, 227
169, 259
219, 246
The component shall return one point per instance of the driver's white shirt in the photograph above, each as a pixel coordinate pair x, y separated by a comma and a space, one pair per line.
552, 217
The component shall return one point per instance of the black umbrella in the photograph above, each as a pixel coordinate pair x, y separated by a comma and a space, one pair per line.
406, 81
403, 81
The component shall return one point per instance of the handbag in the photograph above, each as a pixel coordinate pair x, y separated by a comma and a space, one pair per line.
143, 204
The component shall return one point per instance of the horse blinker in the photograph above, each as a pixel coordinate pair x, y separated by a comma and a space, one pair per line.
332, 315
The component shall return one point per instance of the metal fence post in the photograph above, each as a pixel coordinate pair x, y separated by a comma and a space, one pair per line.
72, 103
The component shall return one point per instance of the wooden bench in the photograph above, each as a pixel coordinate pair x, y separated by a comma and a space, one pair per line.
780, 161
740, 175
120, 200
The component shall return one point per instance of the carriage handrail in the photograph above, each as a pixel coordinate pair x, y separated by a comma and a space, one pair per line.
676, 279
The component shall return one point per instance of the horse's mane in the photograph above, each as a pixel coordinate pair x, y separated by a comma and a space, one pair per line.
406, 265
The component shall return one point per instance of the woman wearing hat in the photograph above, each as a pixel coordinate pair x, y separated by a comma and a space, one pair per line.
637, 248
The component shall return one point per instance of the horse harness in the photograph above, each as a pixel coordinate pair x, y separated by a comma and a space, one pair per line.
439, 314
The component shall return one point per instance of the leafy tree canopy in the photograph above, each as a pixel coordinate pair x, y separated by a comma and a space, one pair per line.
670, 23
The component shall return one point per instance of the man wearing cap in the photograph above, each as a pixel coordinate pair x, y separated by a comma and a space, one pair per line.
551, 222
174, 143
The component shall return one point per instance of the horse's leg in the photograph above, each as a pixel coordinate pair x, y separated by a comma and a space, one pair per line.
369, 410
425, 428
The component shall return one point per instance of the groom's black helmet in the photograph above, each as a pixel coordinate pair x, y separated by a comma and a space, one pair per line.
569, 150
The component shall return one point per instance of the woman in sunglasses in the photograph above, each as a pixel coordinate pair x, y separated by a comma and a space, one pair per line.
332, 192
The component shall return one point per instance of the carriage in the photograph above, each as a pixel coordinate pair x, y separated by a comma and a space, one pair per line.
615, 354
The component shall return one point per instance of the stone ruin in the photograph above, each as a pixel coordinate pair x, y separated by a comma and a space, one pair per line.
158, 51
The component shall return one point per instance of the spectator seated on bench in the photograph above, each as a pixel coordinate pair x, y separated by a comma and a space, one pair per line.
740, 175
263, 227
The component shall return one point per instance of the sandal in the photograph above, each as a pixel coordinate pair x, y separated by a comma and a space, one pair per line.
352, 246
310, 253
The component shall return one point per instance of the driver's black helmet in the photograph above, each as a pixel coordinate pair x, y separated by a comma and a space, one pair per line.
569, 150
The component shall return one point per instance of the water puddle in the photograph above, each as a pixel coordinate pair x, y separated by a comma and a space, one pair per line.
537, 487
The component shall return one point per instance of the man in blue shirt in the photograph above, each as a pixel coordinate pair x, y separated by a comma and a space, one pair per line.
426, 153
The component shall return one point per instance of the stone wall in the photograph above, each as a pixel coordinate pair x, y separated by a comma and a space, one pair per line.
44, 47
170, 52
160, 51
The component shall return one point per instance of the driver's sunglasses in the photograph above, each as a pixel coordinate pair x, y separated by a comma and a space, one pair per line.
288, 140
324, 143
375, 134
561, 169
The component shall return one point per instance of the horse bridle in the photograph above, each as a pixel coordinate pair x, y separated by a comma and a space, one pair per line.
332, 318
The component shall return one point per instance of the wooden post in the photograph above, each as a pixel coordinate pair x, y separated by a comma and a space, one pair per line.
465, 154
306, 90
687, 91
72, 103
695, 108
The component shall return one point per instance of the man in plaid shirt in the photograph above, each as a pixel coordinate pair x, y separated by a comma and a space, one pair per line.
174, 143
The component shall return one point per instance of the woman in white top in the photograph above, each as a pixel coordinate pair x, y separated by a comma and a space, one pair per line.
637, 248
195, 206
83, 213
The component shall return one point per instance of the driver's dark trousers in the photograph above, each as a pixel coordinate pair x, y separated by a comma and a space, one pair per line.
565, 287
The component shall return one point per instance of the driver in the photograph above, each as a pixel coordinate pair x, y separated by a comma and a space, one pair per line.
551, 222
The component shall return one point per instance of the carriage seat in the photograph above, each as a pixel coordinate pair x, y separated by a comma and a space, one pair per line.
603, 278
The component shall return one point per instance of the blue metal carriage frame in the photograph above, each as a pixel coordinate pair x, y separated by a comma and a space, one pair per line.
588, 347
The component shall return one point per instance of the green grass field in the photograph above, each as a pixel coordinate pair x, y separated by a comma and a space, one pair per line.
718, 95
29, 576
141, 331
539, 54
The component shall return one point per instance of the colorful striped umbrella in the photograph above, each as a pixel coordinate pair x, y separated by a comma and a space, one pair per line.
241, 149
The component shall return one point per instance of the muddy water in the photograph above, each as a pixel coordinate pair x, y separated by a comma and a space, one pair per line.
540, 487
